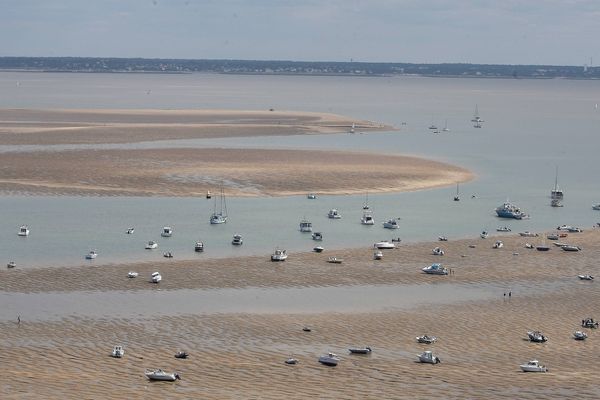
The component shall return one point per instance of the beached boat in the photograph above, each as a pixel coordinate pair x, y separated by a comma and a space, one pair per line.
391, 224
537, 337
426, 339
367, 218
199, 247
503, 229
219, 217
435, 269
437, 251
335, 260
151, 245
533, 366
509, 210
383, 245
378, 255
167, 231
586, 277
311, 196
578, 335
498, 244
291, 361
528, 234
429, 358
237, 240
130, 231
569, 247
11, 264
575, 229
529, 246
552, 236
155, 277
23, 231
329, 359
305, 225
556, 193
168, 254
318, 249
542, 247
334, 214
118, 352
279, 255
589, 323
360, 350
132, 274
484, 234
318, 236
181, 355
160, 375
442, 238
564, 227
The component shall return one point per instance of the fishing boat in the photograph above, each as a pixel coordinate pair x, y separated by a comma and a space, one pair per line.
334, 214
318, 236
335, 260
91, 255
360, 350
237, 240
329, 359
509, 210
160, 375
279, 255
199, 247
167, 231
305, 225
23, 231
435, 269
426, 339
456, 196
155, 277
151, 245
391, 224
291, 361
552, 236
528, 234
556, 193
428, 358
367, 218
118, 352
219, 217
442, 238
533, 366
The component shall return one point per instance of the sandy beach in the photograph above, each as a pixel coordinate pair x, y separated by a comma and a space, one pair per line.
232, 355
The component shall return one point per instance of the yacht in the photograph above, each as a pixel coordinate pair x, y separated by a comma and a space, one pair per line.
391, 224
428, 357
435, 269
237, 240
509, 210
330, 359
367, 218
305, 225
279, 255
317, 236
334, 214
155, 277
219, 217
151, 245
383, 245
556, 193
533, 366
23, 231
199, 247
160, 375
91, 255
167, 232
118, 352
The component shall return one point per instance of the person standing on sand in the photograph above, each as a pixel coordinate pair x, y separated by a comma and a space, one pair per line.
18, 320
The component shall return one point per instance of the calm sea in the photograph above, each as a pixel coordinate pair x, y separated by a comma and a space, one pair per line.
531, 127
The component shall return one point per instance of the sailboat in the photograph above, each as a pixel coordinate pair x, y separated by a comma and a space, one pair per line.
476, 118
457, 197
366, 204
445, 128
221, 216
352, 129
556, 193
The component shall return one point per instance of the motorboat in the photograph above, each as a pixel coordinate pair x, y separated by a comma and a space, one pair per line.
578, 335
291, 361
484, 234
168, 254
596, 207
329, 359
564, 227
317, 236
23, 231
335, 260
569, 247
219, 217
498, 244
334, 214
528, 234
305, 225
575, 229
503, 229
118, 352
367, 218
11, 264
360, 350
391, 224
533, 366
237, 240
91, 255
426, 339
160, 375
208, 194
132, 274
318, 249
311, 196
442, 238
428, 358
155, 277
384, 245
552, 236
435, 269
167, 232
585, 277
130, 231
437, 251
151, 245
378, 255
537, 337
509, 210
589, 323
279, 255
181, 354
199, 247
216, 219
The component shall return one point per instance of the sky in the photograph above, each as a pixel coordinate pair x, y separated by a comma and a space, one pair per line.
551, 32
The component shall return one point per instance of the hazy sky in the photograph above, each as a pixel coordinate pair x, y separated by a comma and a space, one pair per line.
558, 32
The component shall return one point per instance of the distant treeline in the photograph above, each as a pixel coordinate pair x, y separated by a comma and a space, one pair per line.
87, 64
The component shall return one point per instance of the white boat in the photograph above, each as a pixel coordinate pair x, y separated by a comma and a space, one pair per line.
318, 249
528, 234
367, 218
118, 352
305, 225
11, 264
23, 231
428, 357
317, 236
564, 227
360, 350
167, 232
279, 255
199, 247
155, 277
578, 335
91, 255
484, 234
596, 207
330, 359
291, 361
208, 194
129, 231
476, 118
383, 245
160, 375
569, 247
435, 269
585, 277
151, 245
335, 260
132, 274
537, 337
378, 255
311, 196
533, 366
237, 240
498, 244
426, 339
556, 193
168, 254
503, 229
391, 224
552, 236
219, 217
437, 251
334, 214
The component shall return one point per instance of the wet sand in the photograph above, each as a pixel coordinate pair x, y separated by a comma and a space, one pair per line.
481, 343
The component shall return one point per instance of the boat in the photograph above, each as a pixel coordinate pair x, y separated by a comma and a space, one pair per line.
168, 254
445, 128
129, 231
569, 247
509, 210
366, 203
396, 240
367, 218
352, 128
426, 339
132, 274
484, 234
555, 203
556, 193
318, 236
533, 366
151, 245
391, 224
537, 337
118, 352
167, 232
11, 264
456, 196
291, 361
360, 350
578, 335
221, 216
306, 329
589, 323
279, 255
435, 269
437, 251
160, 375
498, 244
199, 247
311, 196
476, 118
575, 229
378, 255
383, 245
503, 229
305, 225
237, 240
329, 359
542, 247
552, 236
585, 277
181, 354
208, 194
23, 231
318, 249
91, 255
428, 358
334, 214
528, 234
155, 277
335, 260
596, 207
564, 227
442, 238
529, 246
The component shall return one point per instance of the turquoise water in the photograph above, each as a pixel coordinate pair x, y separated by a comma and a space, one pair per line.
531, 126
